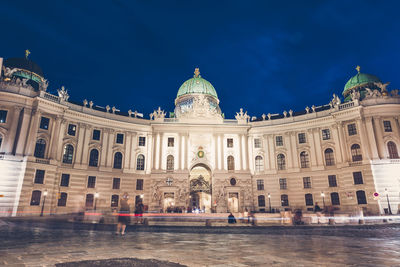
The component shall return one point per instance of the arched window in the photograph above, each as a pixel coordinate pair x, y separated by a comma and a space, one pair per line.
361, 199
35, 200
281, 162
356, 152
40, 148
140, 163
118, 160
335, 198
392, 148
231, 163
304, 160
259, 164
89, 200
170, 163
309, 200
329, 159
284, 200
94, 158
261, 201
114, 201
68, 154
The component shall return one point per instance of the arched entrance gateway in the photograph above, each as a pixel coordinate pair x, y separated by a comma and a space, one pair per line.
200, 188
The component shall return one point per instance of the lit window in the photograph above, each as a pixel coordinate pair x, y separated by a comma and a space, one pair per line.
326, 134
231, 163
387, 126
114, 201
72, 129
284, 200
257, 143
304, 160
229, 142
281, 162
44, 123
356, 153
171, 141
282, 183
170, 163
352, 130
140, 163
142, 141
68, 154
3, 116
302, 138
120, 138
279, 140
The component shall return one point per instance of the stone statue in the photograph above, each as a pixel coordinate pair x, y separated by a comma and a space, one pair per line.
45, 84
63, 94
394, 92
355, 95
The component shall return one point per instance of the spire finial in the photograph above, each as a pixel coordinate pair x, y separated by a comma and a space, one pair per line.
27, 52
358, 69
196, 72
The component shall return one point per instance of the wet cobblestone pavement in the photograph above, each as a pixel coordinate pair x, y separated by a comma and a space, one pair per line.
30, 245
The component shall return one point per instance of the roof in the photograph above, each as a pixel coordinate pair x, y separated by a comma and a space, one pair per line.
197, 85
25, 64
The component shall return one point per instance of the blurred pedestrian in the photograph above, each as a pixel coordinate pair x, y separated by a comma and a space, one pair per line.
231, 218
139, 208
124, 214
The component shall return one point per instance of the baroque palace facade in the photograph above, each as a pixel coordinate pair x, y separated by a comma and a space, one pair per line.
58, 156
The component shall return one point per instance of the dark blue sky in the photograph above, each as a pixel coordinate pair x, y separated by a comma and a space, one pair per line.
264, 56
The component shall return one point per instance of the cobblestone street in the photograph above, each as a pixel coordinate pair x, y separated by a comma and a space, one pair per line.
24, 245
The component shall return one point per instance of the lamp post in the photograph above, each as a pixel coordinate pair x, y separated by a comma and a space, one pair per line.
44, 200
96, 196
387, 198
269, 202
323, 198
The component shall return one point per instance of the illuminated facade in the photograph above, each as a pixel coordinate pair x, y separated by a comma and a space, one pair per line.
81, 156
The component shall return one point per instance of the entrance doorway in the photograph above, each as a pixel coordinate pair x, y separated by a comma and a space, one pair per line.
200, 188
233, 202
168, 204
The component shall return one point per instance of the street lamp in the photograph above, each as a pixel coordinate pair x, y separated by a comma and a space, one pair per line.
44, 200
387, 198
96, 196
269, 202
323, 198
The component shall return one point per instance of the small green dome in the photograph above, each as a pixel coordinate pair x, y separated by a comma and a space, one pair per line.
358, 80
197, 85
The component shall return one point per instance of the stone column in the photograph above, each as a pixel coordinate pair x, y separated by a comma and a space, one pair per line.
290, 158
371, 137
127, 145
338, 148
79, 146
85, 151
271, 151
149, 154
183, 149
158, 151
24, 131
250, 142
59, 149
215, 151
244, 153
220, 157
33, 129
104, 145
267, 157
363, 138
178, 153
379, 137
110, 154
313, 151
11, 134
132, 148
318, 147
188, 151
223, 159
54, 138
163, 161
343, 142
294, 150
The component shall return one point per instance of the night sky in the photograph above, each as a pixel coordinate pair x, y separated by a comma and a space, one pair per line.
263, 56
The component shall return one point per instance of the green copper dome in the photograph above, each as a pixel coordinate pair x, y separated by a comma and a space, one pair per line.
197, 85
358, 80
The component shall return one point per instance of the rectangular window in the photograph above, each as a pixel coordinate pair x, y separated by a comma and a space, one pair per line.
358, 179
139, 184
260, 184
3, 116
72, 129
39, 177
120, 138
282, 183
171, 141
257, 143
44, 123
332, 180
35, 199
351, 128
114, 201
91, 183
307, 182
62, 199
335, 198
302, 138
326, 134
387, 126
284, 200
229, 142
142, 141
116, 183
96, 135
279, 140
64, 179
309, 200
